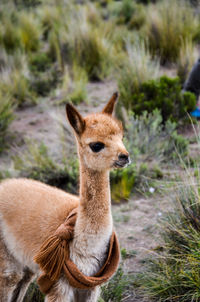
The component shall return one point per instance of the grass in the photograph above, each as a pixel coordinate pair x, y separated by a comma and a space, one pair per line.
138, 68
169, 24
90, 48
173, 273
148, 140
79, 86
29, 32
127, 12
33, 294
118, 288
6, 117
36, 163
18, 86
187, 57
152, 147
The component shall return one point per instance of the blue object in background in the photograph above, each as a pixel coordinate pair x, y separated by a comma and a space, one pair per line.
195, 113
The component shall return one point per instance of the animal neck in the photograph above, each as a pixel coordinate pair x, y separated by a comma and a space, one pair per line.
95, 204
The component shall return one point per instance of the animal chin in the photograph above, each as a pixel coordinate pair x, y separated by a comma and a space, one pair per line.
118, 164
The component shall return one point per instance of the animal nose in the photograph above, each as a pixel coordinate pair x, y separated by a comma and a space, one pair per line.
123, 157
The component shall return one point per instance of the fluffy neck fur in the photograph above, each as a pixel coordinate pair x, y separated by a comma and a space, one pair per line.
95, 204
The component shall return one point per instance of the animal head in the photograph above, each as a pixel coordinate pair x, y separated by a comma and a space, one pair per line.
99, 137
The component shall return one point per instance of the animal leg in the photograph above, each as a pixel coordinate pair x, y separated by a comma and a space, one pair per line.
22, 286
10, 273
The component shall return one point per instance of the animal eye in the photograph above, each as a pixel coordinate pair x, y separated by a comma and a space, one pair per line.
96, 147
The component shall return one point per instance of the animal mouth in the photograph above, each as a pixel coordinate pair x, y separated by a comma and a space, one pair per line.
119, 164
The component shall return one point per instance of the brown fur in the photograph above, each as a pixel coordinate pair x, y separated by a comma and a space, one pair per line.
31, 211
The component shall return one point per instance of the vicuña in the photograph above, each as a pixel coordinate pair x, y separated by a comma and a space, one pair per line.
65, 239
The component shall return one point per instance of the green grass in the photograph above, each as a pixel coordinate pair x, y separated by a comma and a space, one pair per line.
127, 12
36, 163
170, 23
6, 117
173, 273
78, 88
33, 294
138, 68
118, 288
90, 48
152, 146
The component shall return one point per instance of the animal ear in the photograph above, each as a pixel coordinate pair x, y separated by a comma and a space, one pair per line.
75, 119
111, 104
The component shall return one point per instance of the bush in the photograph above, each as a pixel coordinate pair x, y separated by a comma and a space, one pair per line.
173, 273
128, 12
170, 23
43, 82
151, 146
36, 163
39, 62
164, 94
6, 117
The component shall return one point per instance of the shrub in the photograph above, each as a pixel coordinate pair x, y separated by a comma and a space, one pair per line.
173, 273
43, 82
164, 94
151, 146
170, 23
137, 69
148, 139
39, 62
36, 163
6, 117
128, 12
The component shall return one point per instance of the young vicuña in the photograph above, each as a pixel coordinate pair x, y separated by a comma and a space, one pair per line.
30, 212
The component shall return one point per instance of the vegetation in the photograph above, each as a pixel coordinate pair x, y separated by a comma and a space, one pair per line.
90, 48
170, 23
118, 288
151, 146
173, 273
139, 68
6, 116
128, 12
164, 94
37, 164
187, 57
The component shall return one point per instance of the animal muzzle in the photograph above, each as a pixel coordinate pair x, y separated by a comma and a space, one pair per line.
123, 160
